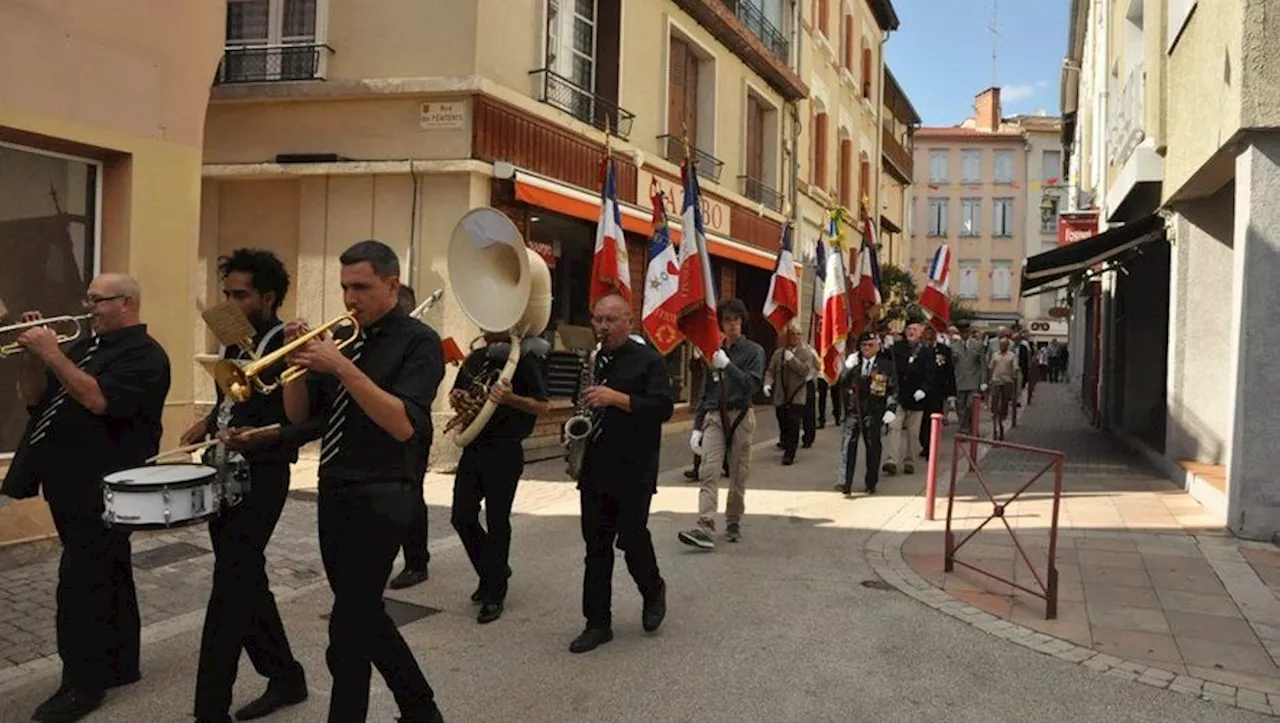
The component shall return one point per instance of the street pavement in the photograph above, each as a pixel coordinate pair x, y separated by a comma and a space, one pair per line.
791, 624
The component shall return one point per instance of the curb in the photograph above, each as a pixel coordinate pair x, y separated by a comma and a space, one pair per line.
884, 553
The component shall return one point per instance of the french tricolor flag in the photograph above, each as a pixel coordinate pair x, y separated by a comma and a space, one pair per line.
819, 281
783, 299
661, 284
697, 299
837, 314
934, 299
610, 269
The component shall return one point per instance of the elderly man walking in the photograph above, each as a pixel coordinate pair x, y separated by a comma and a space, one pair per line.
785, 379
970, 358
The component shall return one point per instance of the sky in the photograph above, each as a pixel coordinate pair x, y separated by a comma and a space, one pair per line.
941, 55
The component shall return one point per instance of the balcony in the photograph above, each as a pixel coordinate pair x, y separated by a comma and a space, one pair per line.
1137, 169
273, 64
560, 92
899, 158
760, 193
709, 167
743, 29
1125, 130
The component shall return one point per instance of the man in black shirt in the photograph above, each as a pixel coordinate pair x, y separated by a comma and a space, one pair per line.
375, 399
94, 410
416, 554
868, 383
242, 612
633, 396
940, 385
491, 466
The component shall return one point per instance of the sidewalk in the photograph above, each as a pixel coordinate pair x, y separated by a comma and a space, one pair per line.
1144, 577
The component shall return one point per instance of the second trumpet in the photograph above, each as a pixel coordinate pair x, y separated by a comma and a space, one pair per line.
238, 382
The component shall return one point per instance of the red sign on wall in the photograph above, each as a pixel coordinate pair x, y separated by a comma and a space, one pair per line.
1077, 226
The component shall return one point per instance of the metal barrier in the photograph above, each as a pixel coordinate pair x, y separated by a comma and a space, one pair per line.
1048, 585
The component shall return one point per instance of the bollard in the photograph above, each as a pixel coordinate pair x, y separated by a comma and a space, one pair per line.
931, 480
975, 426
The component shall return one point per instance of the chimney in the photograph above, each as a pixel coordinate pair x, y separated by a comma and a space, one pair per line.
987, 109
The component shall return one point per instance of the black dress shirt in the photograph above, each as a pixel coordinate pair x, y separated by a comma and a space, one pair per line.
261, 410
742, 379
870, 389
623, 458
79, 447
529, 380
404, 358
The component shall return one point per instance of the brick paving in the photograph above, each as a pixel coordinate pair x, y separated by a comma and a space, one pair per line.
1149, 589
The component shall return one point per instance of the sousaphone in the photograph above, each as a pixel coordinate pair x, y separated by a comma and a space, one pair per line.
503, 287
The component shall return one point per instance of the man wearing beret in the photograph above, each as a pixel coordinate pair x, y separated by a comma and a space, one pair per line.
869, 386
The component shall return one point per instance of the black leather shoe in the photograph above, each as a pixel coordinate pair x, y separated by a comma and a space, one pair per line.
54, 700
207, 719
871, 489
691, 475
655, 610
489, 612
277, 696
590, 639
124, 679
475, 596
70, 706
408, 578
432, 715
788, 459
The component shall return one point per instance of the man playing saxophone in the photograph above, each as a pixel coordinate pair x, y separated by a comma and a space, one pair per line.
491, 465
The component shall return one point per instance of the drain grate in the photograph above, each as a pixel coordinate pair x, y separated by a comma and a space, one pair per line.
403, 613
877, 585
167, 555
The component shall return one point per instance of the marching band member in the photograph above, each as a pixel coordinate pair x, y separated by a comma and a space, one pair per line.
376, 407
95, 409
491, 466
242, 613
633, 396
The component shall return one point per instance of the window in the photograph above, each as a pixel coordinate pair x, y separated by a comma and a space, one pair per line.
1049, 214
970, 217
864, 178
1002, 280
755, 138
1004, 166
571, 40
971, 166
1002, 217
847, 43
271, 40
968, 280
937, 217
824, 10
1051, 167
682, 91
820, 151
845, 181
1176, 14
937, 166
866, 70
911, 218
48, 235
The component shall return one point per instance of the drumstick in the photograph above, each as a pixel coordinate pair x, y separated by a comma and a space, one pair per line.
209, 443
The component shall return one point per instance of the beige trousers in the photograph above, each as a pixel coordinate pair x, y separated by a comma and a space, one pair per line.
904, 438
713, 455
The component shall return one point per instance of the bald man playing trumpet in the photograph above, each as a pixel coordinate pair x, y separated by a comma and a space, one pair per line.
94, 409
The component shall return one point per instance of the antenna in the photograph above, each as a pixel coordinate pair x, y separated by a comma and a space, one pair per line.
993, 27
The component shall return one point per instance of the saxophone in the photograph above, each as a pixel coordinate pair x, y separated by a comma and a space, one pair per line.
584, 424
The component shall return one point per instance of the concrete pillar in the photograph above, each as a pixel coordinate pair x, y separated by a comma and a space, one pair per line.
1253, 505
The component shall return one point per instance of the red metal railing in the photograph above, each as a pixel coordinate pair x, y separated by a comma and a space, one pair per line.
1048, 584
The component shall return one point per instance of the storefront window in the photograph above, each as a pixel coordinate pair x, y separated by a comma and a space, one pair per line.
48, 243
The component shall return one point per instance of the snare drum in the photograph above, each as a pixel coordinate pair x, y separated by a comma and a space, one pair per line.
159, 496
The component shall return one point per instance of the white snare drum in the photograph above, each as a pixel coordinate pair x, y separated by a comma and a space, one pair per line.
162, 495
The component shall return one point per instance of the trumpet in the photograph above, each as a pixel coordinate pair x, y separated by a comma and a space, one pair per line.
14, 347
238, 382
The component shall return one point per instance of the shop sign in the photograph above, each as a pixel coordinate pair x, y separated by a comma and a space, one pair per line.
1047, 327
1077, 226
715, 213
1060, 312
441, 116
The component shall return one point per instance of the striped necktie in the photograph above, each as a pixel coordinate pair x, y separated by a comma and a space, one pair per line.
338, 417
45, 422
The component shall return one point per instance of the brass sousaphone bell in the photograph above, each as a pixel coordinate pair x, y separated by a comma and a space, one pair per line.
503, 287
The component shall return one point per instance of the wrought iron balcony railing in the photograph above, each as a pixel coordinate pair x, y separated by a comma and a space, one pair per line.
709, 167
273, 64
560, 92
760, 193
1126, 124
750, 15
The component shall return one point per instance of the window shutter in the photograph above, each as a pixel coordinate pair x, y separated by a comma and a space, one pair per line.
820, 150
691, 93
755, 139
676, 84
864, 178
846, 163
848, 43
866, 71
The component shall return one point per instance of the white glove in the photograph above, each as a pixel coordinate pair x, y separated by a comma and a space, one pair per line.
982, 388
918, 395
695, 441
697, 353
851, 361
720, 360
788, 355
768, 390
889, 417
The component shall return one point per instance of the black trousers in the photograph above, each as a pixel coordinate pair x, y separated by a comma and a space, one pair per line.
868, 428
810, 412
98, 627
489, 471
606, 518
416, 554
242, 612
823, 390
362, 526
790, 418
